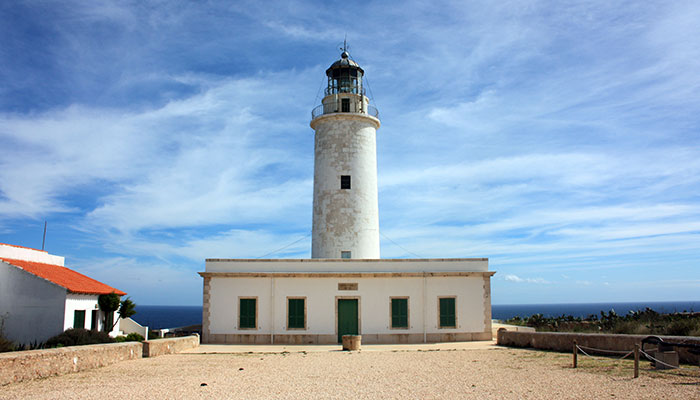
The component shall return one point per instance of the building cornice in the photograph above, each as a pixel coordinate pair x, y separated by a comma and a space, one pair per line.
344, 274
341, 260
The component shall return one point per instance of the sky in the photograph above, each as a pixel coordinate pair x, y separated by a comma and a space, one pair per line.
561, 140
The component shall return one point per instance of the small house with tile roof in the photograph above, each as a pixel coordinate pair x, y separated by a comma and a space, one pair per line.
40, 297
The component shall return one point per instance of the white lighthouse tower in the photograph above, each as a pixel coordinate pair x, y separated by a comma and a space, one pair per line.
345, 210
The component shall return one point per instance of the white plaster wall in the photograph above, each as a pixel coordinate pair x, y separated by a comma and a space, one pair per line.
223, 308
128, 325
21, 253
321, 293
86, 302
360, 266
345, 219
373, 293
32, 308
469, 304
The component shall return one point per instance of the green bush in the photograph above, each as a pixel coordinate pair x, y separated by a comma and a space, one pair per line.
641, 322
132, 337
78, 337
630, 328
681, 327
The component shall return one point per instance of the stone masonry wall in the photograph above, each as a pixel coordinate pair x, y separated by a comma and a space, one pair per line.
345, 220
159, 347
564, 342
24, 365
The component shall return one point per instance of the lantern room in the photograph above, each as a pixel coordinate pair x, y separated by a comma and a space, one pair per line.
345, 92
344, 76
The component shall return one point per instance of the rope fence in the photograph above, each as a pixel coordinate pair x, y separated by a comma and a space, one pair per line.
650, 358
626, 353
636, 352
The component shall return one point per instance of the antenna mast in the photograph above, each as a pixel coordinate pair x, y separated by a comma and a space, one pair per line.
43, 241
345, 44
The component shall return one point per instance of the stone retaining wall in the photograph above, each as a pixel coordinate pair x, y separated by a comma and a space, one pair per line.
159, 347
564, 342
24, 365
18, 366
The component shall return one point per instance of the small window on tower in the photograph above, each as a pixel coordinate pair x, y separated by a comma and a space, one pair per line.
345, 181
345, 254
345, 104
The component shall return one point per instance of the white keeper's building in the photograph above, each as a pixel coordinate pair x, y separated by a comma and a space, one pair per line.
345, 288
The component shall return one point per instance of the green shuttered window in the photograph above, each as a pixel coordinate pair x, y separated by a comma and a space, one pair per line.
399, 313
447, 313
247, 314
79, 319
295, 317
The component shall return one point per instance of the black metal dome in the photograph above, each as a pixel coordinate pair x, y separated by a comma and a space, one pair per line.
343, 63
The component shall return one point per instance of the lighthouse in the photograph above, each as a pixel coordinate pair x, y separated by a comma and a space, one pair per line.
345, 288
345, 204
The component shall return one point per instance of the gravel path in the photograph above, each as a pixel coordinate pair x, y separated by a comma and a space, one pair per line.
497, 373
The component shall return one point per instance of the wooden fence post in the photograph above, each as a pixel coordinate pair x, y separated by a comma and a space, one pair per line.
575, 354
636, 360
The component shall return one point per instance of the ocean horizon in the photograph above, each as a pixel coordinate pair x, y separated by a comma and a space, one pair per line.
161, 317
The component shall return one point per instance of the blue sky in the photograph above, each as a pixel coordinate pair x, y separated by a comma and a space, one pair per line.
561, 141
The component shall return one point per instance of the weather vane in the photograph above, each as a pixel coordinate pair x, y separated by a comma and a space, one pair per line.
345, 44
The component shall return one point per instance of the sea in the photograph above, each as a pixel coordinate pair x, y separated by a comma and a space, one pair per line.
159, 317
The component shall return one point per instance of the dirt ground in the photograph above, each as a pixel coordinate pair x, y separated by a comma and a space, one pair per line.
494, 373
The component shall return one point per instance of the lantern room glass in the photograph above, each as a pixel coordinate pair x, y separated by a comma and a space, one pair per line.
344, 80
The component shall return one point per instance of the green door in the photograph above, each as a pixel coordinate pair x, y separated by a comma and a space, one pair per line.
347, 318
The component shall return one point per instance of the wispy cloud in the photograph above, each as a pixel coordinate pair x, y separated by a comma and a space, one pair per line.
555, 139
517, 279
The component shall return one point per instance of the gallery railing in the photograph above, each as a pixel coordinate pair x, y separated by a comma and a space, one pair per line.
329, 109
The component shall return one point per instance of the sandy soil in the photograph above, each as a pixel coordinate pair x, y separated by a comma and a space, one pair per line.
496, 373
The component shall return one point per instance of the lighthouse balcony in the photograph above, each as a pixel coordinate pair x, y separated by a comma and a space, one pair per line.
340, 107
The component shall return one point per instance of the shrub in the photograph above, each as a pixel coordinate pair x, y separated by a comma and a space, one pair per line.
78, 337
35, 345
132, 337
6, 345
681, 327
644, 322
630, 328
536, 321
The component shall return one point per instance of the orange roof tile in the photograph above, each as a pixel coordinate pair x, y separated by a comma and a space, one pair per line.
74, 281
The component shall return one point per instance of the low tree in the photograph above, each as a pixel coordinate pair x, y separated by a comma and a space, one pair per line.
127, 308
109, 303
